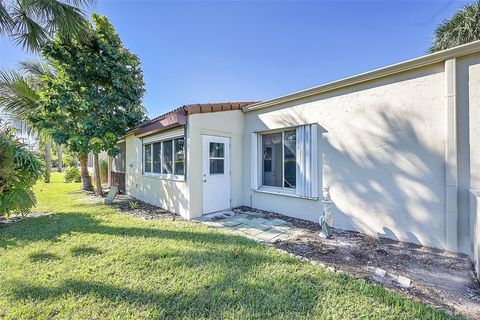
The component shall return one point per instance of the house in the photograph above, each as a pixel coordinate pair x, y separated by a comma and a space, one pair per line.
399, 148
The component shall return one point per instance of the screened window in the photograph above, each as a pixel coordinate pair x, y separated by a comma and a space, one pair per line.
165, 158
279, 159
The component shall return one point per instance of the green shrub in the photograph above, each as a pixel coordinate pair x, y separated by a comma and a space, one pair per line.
69, 160
104, 170
72, 174
19, 171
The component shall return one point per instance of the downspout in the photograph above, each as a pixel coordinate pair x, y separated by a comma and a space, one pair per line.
451, 166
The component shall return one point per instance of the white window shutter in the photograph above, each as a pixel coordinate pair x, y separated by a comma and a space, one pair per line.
254, 160
307, 161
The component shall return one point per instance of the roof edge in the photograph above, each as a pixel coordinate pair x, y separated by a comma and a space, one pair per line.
418, 62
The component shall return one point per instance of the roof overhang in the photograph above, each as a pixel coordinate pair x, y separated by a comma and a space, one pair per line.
168, 122
429, 59
178, 117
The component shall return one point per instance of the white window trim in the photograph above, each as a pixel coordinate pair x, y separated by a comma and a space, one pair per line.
275, 189
282, 192
160, 175
257, 165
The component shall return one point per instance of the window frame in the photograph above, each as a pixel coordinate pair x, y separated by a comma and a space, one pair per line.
275, 189
160, 175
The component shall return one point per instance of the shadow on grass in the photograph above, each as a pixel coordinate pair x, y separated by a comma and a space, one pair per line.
85, 251
236, 285
43, 256
53, 226
212, 300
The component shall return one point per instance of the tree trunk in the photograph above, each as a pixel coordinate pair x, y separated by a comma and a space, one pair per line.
86, 180
48, 160
98, 179
60, 160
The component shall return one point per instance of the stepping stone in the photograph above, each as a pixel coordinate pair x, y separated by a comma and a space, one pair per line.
281, 237
232, 222
284, 228
259, 224
249, 230
280, 222
268, 235
212, 224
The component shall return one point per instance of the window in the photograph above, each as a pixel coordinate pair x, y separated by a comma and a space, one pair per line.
157, 159
286, 161
179, 157
148, 157
217, 158
165, 158
119, 162
279, 159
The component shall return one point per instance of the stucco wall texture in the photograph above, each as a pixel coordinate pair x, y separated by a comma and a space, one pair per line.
383, 153
167, 194
382, 146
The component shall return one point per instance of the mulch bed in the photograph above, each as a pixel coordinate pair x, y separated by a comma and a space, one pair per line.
440, 278
145, 211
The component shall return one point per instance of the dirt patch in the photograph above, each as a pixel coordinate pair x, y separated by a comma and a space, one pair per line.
440, 278
140, 209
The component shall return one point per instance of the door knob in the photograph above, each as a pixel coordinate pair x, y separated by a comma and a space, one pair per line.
204, 180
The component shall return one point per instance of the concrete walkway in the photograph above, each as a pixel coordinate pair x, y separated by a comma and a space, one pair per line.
252, 225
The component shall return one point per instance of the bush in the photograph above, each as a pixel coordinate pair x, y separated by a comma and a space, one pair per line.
104, 170
19, 171
72, 174
69, 160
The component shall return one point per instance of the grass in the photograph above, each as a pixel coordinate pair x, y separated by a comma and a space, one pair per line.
87, 261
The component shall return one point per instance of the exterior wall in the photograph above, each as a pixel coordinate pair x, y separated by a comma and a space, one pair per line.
475, 230
383, 151
468, 132
224, 124
168, 194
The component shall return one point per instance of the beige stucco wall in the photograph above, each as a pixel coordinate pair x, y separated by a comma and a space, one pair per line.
168, 194
475, 229
468, 132
382, 147
224, 124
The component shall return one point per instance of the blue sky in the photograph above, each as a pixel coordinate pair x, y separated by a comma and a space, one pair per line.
194, 52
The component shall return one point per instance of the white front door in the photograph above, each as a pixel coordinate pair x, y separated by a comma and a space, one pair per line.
216, 173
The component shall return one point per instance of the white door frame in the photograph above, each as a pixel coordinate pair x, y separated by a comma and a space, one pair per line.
215, 182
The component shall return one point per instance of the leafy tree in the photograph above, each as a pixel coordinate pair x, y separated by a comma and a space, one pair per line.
31, 23
463, 27
19, 170
96, 94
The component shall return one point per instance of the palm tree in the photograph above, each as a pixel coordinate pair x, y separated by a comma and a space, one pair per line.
31, 23
463, 27
19, 95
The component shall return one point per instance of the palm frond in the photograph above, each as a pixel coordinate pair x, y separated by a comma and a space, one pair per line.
16, 95
36, 68
6, 21
463, 27
26, 31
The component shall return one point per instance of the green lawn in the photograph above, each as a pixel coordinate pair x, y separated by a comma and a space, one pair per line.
87, 261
